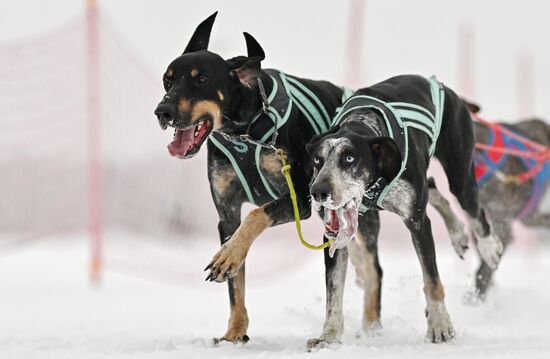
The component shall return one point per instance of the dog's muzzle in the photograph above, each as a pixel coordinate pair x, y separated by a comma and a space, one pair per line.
166, 114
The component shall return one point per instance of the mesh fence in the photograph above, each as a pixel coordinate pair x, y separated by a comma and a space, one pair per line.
45, 149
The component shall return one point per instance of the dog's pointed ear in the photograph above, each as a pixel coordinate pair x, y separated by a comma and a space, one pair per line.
386, 153
253, 48
314, 142
247, 68
201, 37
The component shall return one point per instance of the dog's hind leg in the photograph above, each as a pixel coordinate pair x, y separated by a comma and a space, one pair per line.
454, 151
484, 274
455, 227
335, 277
489, 246
440, 328
363, 252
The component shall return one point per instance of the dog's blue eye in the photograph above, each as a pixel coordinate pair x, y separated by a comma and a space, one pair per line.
350, 158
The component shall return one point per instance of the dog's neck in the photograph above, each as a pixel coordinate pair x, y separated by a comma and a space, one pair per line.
244, 105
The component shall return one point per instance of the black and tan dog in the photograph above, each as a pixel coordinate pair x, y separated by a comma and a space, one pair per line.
375, 157
208, 97
504, 198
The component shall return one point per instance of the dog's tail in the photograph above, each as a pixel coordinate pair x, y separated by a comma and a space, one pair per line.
472, 107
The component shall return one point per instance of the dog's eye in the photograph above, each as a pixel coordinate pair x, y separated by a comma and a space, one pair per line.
317, 160
350, 159
201, 80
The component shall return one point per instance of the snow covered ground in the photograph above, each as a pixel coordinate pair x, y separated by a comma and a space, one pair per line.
49, 310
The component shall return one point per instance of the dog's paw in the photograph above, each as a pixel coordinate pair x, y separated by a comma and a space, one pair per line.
490, 250
440, 328
369, 330
459, 240
239, 339
321, 343
227, 262
473, 297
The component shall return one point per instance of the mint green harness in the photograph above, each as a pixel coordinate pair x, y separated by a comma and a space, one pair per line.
399, 117
244, 152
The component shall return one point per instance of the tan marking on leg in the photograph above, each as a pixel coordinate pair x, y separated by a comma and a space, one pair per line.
367, 276
194, 72
184, 106
238, 318
254, 224
435, 290
202, 108
220, 95
432, 289
221, 180
232, 254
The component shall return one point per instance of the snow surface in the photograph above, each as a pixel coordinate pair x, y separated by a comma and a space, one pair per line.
49, 310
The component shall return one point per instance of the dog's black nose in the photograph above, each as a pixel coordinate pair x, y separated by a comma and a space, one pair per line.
165, 112
320, 191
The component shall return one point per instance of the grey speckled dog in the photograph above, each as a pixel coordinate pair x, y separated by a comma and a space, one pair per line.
375, 157
503, 200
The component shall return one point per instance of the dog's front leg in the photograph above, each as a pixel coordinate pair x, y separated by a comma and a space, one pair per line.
335, 277
237, 325
229, 259
440, 328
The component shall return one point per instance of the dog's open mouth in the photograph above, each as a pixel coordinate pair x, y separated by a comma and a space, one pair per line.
188, 141
341, 225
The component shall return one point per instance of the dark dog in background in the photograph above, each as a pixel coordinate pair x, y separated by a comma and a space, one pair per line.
505, 200
376, 156
207, 97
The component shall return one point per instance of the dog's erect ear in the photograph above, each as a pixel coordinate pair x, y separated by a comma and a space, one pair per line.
312, 145
201, 37
247, 68
253, 48
387, 155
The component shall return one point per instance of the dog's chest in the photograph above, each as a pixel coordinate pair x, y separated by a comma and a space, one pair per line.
401, 199
255, 174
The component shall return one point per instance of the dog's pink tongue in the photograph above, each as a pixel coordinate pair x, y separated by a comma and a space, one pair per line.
334, 224
183, 141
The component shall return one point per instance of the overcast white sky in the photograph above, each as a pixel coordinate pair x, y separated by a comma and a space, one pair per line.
307, 37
